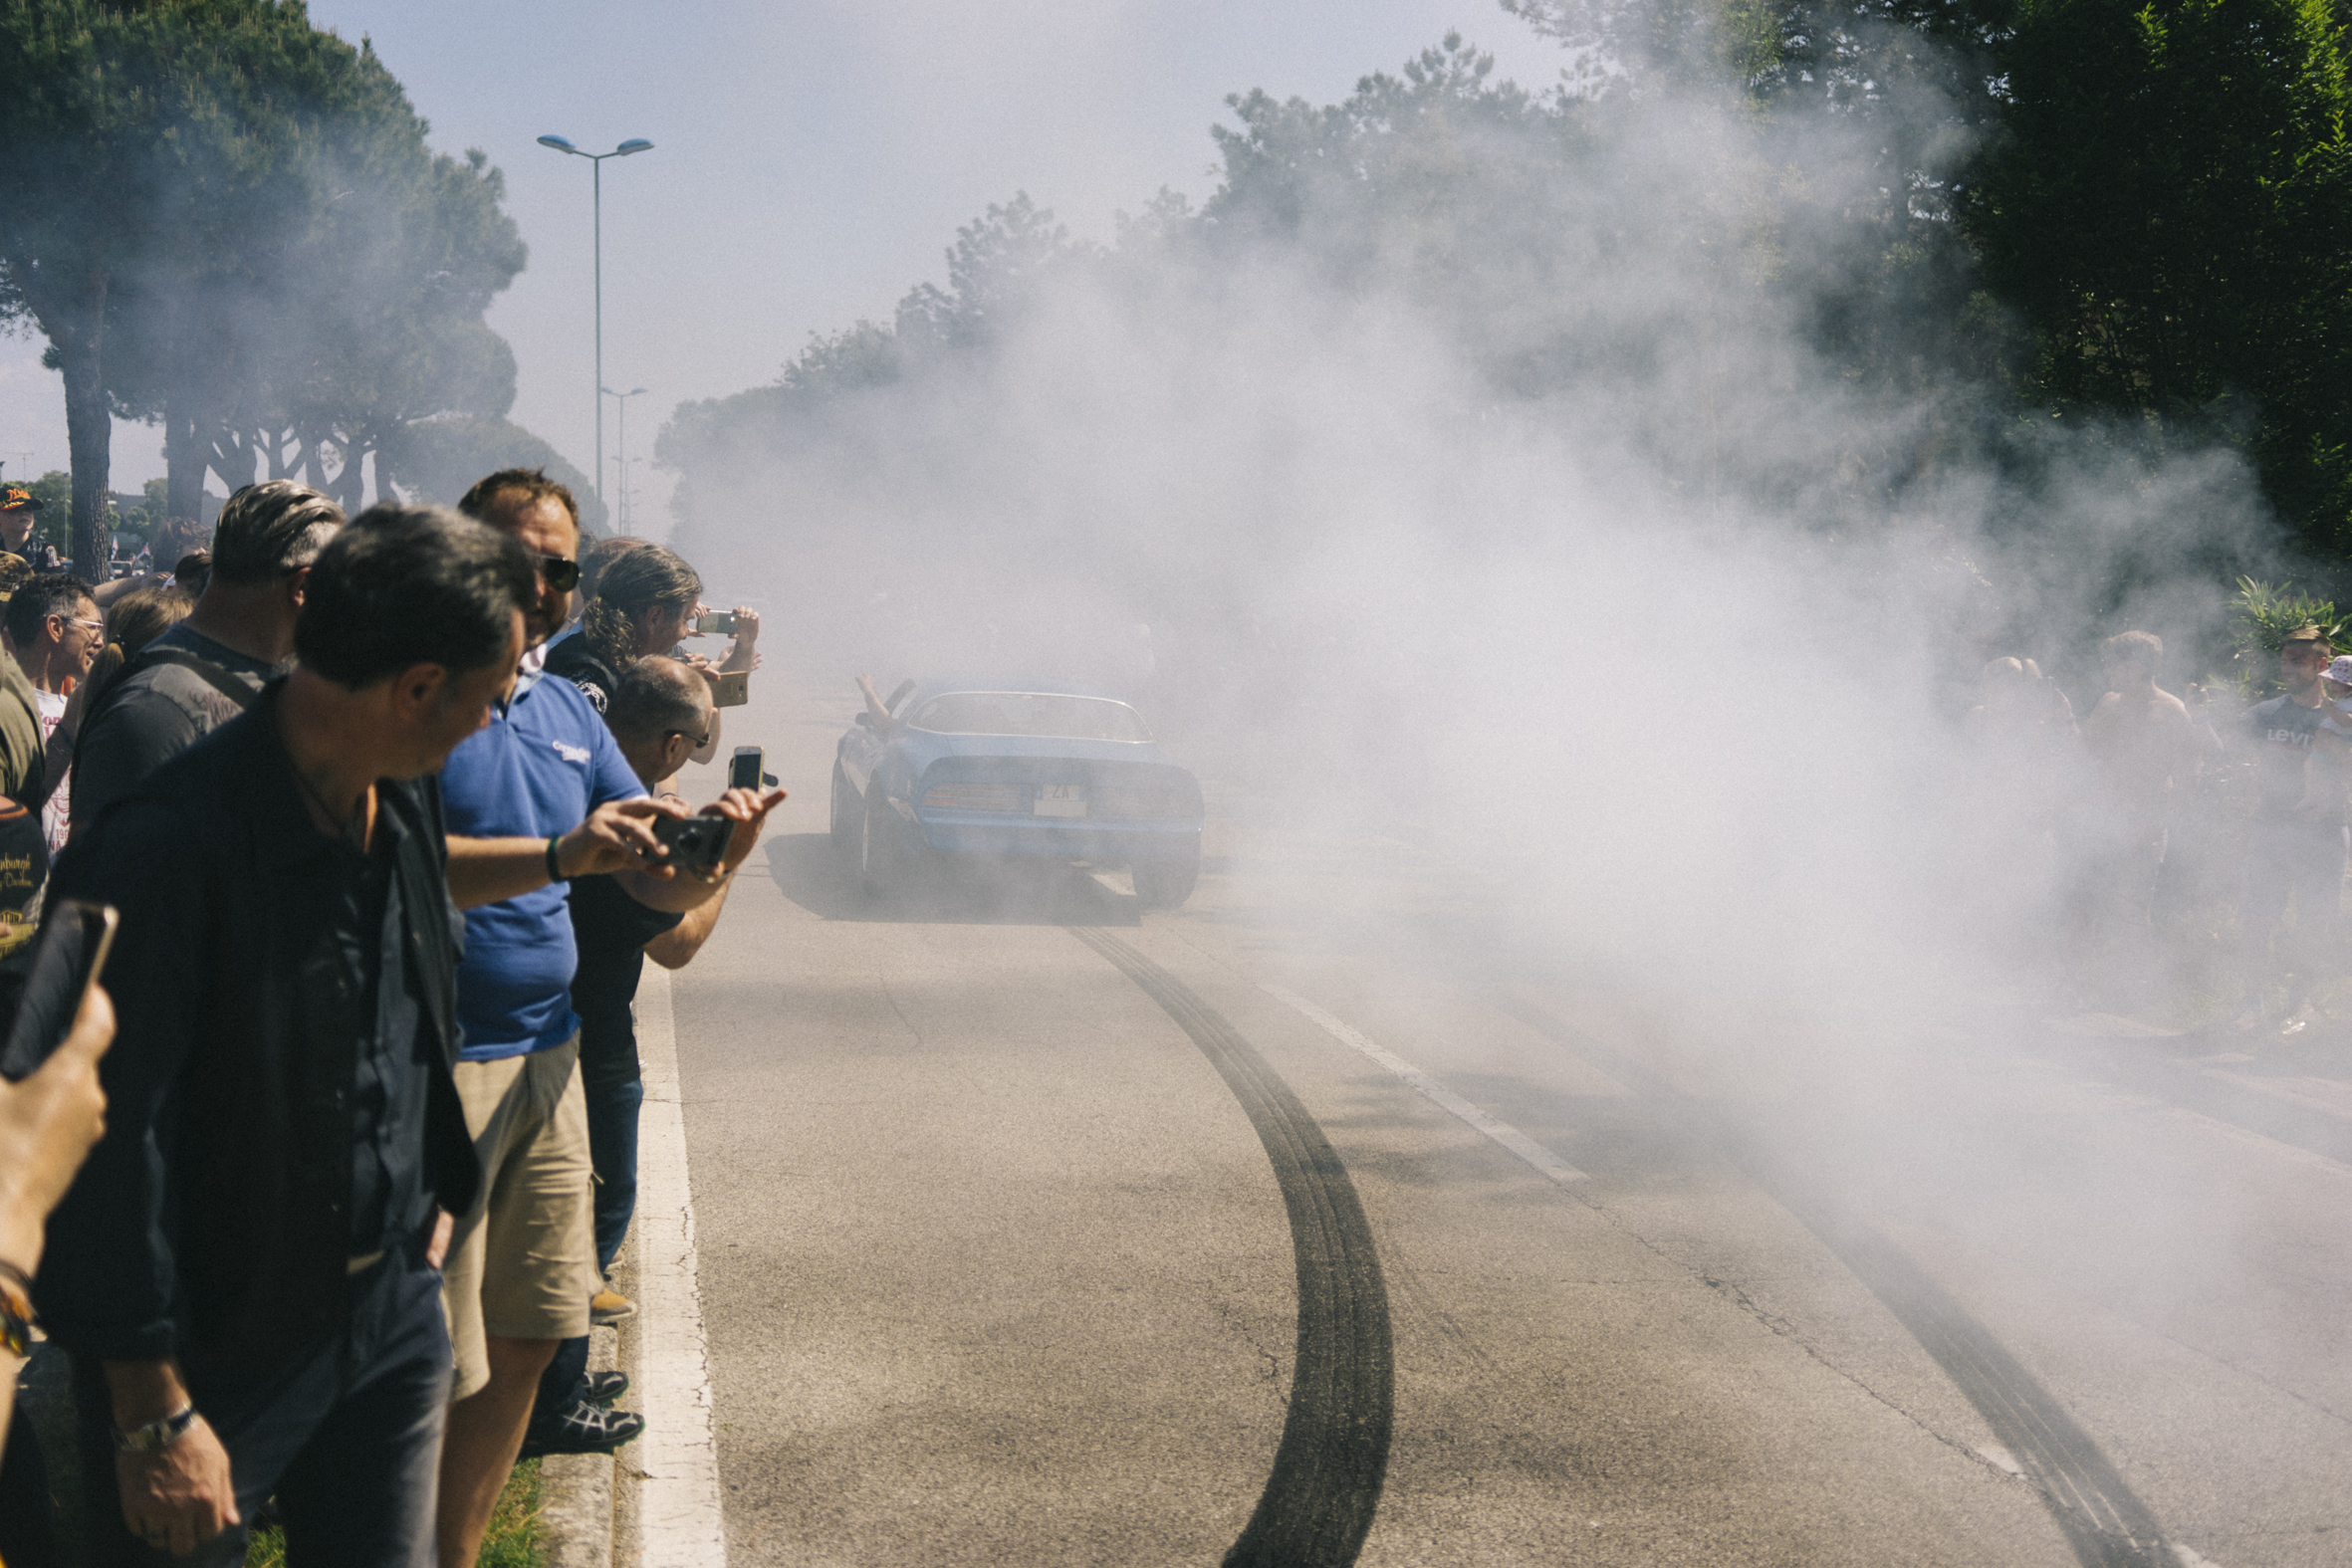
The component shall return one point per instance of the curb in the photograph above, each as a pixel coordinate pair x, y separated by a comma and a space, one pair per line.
577, 1490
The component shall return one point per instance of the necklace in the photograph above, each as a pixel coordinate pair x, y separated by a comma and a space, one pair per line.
351, 827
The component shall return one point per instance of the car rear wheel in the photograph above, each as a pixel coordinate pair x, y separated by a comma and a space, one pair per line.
1164, 884
887, 849
845, 823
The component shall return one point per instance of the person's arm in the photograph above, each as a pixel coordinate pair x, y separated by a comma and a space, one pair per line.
618, 837
106, 593
742, 655
873, 703
47, 1124
677, 947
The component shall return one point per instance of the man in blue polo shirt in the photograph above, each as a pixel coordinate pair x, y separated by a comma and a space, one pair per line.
541, 794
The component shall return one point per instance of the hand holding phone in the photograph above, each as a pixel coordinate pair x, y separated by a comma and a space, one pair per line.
745, 771
73, 943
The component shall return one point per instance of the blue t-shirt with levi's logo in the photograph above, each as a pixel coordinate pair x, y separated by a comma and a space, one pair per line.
538, 769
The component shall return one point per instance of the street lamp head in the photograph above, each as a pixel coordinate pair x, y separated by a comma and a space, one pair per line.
560, 143
633, 144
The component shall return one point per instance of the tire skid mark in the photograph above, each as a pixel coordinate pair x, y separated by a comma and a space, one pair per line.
1329, 1467
2104, 1520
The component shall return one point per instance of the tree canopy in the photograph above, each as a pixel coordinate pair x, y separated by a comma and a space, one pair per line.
229, 222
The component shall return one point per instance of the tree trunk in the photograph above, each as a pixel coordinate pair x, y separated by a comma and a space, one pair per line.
89, 424
350, 485
185, 457
233, 459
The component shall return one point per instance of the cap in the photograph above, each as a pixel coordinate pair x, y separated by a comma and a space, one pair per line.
16, 498
2341, 670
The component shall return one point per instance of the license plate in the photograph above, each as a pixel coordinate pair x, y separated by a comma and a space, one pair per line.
1059, 800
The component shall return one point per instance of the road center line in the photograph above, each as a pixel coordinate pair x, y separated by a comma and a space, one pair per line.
1504, 1133
678, 1495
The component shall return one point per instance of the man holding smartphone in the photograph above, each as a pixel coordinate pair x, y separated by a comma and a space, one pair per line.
245, 1273
660, 712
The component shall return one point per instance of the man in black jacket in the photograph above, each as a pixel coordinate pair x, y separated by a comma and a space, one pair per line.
246, 1271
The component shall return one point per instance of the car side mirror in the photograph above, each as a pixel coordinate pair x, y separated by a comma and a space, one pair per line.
867, 718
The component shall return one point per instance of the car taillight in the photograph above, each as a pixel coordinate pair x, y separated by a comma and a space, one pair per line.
977, 796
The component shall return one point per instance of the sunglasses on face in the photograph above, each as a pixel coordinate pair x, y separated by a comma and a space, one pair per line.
700, 741
562, 574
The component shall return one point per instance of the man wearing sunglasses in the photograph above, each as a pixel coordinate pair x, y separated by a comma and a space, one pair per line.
211, 667
539, 796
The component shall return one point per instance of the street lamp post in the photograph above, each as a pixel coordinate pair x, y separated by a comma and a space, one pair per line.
633, 144
621, 462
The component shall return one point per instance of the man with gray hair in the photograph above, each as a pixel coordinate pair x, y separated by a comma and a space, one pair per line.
210, 667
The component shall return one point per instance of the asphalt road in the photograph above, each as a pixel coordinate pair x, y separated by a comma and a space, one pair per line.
1034, 1229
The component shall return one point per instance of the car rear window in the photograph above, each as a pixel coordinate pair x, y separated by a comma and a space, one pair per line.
1036, 714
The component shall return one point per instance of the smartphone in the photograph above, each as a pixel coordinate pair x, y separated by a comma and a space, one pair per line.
696, 842
716, 623
73, 948
743, 772
732, 689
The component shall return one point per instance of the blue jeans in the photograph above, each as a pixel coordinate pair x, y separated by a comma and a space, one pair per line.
347, 1437
608, 1078
613, 1104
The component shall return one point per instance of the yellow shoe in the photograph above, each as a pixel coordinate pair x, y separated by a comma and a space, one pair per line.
610, 1306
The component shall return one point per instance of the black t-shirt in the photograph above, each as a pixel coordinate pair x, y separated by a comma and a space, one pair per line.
2283, 731
570, 657
611, 930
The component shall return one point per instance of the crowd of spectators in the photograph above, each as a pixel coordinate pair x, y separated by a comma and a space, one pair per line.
353, 1110
2156, 804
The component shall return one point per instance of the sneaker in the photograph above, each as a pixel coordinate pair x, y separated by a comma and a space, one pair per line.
2248, 1017
2302, 1020
610, 1306
582, 1428
602, 1388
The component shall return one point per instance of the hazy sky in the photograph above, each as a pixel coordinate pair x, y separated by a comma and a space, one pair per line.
811, 160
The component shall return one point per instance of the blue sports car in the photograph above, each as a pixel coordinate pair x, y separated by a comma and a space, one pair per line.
998, 769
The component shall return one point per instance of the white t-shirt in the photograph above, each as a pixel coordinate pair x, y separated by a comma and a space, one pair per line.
54, 818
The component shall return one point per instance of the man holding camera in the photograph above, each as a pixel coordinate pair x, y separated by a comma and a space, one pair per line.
541, 794
660, 712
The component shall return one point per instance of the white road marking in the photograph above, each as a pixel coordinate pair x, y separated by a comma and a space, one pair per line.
678, 1524
1504, 1133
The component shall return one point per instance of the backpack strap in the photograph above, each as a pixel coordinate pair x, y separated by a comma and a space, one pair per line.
153, 657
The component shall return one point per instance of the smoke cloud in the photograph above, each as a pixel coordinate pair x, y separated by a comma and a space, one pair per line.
1501, 489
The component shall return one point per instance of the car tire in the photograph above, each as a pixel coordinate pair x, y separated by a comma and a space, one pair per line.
1165, 884
845, 825
873, 850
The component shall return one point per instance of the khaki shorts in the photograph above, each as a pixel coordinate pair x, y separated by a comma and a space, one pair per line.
522, 1262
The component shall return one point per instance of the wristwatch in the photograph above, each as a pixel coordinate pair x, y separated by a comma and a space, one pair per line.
157, 1434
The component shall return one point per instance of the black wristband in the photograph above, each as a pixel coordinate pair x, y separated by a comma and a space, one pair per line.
555, 872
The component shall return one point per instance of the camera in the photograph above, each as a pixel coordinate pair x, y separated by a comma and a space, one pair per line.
696, 844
